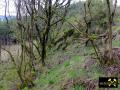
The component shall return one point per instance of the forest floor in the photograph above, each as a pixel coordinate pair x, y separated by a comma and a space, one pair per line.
76, 71
67, 69
7, 70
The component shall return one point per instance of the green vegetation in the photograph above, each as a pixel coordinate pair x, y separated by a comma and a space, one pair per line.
61, 46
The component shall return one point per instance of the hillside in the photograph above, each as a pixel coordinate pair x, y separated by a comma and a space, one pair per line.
59, 45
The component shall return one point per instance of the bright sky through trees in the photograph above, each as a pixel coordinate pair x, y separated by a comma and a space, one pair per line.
12, 7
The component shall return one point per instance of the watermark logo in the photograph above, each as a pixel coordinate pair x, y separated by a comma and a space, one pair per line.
108, 82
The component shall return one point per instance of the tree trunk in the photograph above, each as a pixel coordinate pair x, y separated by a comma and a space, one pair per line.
43, 51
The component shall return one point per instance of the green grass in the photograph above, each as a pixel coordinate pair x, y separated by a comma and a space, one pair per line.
116, 43
7, 77
78, 87
54, 78
57, 75
68, 70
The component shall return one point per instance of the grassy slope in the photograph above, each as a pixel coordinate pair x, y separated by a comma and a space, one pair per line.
53, 79
7, 71
56, 76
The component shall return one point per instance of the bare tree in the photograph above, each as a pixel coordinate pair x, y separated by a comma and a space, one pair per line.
45, 14
110, 21
88, 16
